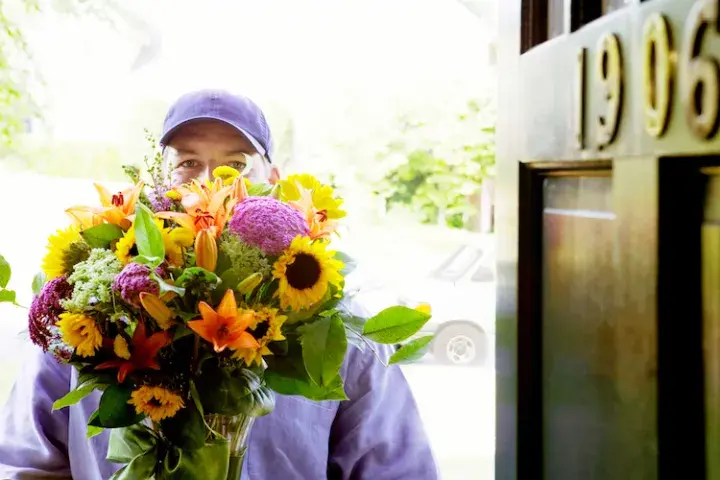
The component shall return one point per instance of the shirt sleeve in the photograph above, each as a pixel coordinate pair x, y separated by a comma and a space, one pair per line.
33, 438
378, 433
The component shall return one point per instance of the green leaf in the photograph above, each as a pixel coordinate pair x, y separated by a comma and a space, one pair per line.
93, 431
141, 466
260, 189
38, 283
102, 236
349, 263
75, 396
114, 410
185, 429
182, 331
166, 287
129, 442
93, 425
7, 296
394, 325
286, 385
411, 351
196, 398
5, 272
323, 349
228, 390
287, 376
148, 237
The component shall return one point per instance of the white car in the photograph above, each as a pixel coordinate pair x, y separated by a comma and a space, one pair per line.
461, 293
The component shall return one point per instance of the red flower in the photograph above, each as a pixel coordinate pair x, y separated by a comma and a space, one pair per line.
142, 356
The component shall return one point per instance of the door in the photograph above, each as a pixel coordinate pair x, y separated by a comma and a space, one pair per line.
608, 225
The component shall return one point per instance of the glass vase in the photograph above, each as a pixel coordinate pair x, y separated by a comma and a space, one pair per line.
236, 429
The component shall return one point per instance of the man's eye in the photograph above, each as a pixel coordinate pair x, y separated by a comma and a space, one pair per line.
237, 165
188, 164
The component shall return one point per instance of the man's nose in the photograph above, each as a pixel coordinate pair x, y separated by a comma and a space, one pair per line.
205, 174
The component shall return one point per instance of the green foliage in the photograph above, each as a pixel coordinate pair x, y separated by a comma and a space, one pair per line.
5, 275
101, 236
233, 390
437, 176
114, 410
287, 375
412, 351
148, 238
323, 349
394, 325
16, 69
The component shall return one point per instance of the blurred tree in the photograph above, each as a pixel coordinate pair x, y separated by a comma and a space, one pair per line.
436, 168
16, 69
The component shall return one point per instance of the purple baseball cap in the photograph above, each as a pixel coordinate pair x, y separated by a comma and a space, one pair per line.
235, 110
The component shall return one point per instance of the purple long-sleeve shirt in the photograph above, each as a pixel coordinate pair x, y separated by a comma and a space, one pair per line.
376, 435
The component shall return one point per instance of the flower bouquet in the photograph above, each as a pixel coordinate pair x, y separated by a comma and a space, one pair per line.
191, 307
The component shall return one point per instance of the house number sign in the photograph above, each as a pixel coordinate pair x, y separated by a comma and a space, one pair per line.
697, 72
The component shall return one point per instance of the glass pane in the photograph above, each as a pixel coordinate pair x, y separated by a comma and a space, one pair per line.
556, 11
612, 5
580, 339
711, 323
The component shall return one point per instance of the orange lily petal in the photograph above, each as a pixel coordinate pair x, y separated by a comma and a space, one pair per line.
183, 219
207, 312
105, 195
206, 330
228, 306
132, 197
245, 340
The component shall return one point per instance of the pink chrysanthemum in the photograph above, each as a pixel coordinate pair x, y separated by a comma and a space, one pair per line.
267, 223
134, 280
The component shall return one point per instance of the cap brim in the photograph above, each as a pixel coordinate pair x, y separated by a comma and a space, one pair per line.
170, 133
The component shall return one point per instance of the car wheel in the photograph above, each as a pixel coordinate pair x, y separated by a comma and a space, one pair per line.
460, 344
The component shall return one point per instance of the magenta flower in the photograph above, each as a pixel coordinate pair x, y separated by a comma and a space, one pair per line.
267, 223
134, 280
44, 312
158, 200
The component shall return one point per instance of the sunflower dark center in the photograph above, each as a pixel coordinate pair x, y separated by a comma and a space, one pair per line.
304, 272
155, 402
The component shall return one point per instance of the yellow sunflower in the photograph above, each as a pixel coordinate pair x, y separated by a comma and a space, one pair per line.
157, 403
80, 332
55, 263
317, 202
266, 327
174, 239
305, 270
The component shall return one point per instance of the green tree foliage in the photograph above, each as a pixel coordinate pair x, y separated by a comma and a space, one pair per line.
437, 168
16, 69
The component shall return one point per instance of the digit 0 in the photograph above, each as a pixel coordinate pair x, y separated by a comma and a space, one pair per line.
657, 74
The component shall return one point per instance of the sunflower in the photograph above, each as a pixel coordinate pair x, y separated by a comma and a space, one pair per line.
80, 332
157, 403
316, 201
265, 327
173, 239
305, 271
57, 261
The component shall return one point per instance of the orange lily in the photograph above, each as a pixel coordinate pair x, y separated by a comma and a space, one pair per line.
144, 351
205, 207
118, 209
225, 327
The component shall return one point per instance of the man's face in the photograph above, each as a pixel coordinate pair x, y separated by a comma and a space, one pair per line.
199, 148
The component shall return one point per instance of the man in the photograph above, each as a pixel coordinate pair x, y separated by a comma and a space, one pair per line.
377, 434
